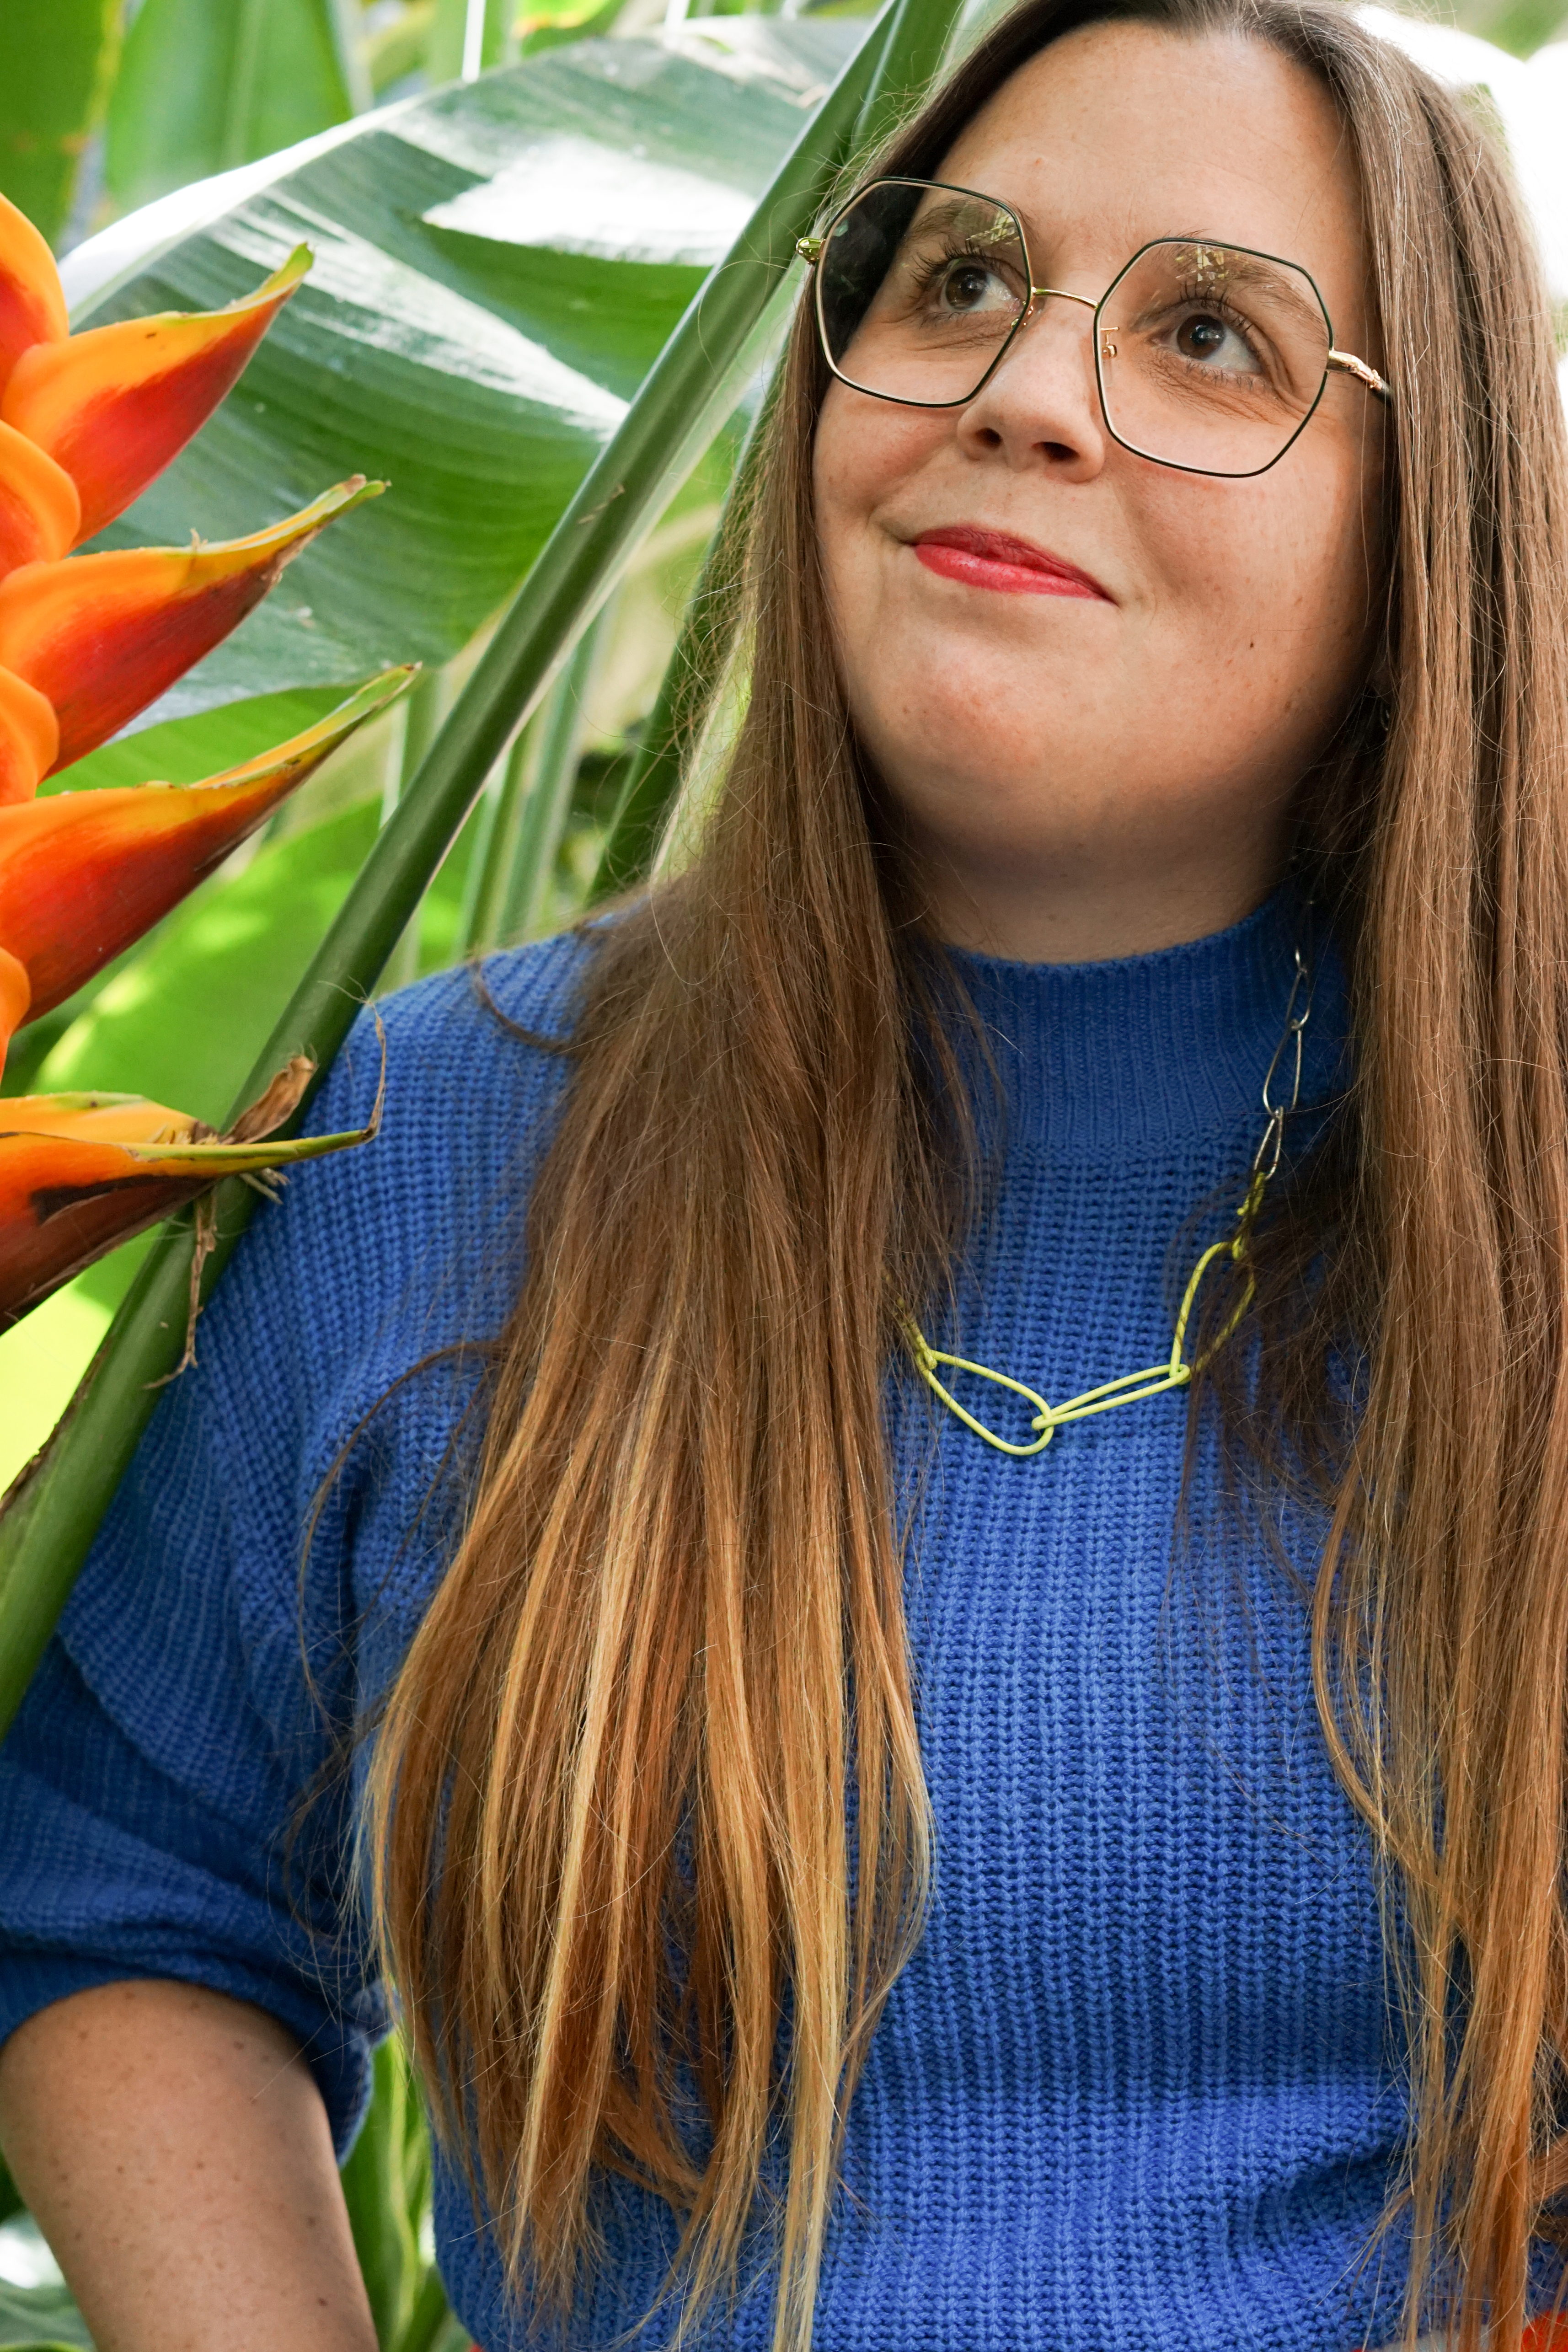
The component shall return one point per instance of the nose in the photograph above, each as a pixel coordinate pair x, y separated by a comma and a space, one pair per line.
1043, 401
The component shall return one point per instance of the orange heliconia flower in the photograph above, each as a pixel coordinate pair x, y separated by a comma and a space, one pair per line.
114, 404
32, 299
83, 874
100, 637
86, 642
40, 506
81, 1173
29, 736
86, 422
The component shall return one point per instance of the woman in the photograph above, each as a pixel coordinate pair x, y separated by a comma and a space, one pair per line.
839, 1875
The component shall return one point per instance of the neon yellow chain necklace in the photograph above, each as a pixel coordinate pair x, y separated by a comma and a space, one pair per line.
1156, 1380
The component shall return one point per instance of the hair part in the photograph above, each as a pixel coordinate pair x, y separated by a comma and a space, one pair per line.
651, 1833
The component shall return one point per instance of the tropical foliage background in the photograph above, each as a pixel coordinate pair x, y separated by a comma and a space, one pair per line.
511, 204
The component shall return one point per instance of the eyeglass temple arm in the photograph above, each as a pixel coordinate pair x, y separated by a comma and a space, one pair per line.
1349, 366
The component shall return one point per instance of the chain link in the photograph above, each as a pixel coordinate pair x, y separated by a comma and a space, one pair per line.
1156, 1380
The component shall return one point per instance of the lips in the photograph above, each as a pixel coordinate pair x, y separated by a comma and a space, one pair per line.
994, 559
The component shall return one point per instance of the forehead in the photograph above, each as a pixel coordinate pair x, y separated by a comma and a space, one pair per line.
1122, 132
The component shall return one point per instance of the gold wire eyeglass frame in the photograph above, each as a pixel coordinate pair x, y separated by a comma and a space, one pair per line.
809, 249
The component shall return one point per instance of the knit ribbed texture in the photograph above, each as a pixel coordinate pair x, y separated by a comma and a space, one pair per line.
1137, 2091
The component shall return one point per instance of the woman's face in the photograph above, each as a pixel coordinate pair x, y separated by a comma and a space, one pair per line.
1108, 771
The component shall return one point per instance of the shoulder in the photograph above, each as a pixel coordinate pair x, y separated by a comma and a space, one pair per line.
388, 1250
502, 1024
361, 1285
471, 1065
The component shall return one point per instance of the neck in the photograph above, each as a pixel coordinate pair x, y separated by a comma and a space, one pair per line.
1117, 1059
1089, 905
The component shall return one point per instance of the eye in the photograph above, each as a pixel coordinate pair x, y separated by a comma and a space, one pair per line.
1206, 336
967, 286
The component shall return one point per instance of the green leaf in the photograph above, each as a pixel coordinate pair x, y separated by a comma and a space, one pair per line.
43, 1357
374, 2190
47, 1525
497, 267
1521, 27
59, 62
40, 2319
202, 89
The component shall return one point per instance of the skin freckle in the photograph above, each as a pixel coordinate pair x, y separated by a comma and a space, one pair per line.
1049, 753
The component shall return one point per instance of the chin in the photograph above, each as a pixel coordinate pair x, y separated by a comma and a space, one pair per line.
944, 701
956, 754
984, 811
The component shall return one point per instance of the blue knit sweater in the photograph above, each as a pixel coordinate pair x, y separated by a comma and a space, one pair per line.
1137, 2090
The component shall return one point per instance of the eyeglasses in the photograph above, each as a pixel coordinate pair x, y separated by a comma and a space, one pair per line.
1207, 357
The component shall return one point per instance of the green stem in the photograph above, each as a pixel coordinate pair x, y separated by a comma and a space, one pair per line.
349, 50
421, 714
238, 126
524, 810
54, 1510
491, 825
917, 39
703, 645
485, 931
543, 809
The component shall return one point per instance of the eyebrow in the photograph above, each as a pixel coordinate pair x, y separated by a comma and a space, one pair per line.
1250, 268
943, 216
1257, 268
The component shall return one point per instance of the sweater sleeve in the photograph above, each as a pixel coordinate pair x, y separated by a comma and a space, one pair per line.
177, 1792
155, 1814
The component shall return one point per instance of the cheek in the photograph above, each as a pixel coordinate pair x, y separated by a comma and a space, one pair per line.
865, 452
1282, 569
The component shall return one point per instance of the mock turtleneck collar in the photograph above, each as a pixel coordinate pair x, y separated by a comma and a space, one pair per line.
1153, 1050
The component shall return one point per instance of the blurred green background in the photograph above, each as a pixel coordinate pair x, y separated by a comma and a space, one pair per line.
508, 213
511, 202
104, 106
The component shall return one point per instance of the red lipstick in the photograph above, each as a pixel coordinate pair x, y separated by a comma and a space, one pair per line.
994, 559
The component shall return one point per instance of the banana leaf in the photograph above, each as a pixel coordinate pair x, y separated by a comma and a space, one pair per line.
497, 267
486, 363
438, 366
47, 1526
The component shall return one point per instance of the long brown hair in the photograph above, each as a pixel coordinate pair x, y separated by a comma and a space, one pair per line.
667, 1668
